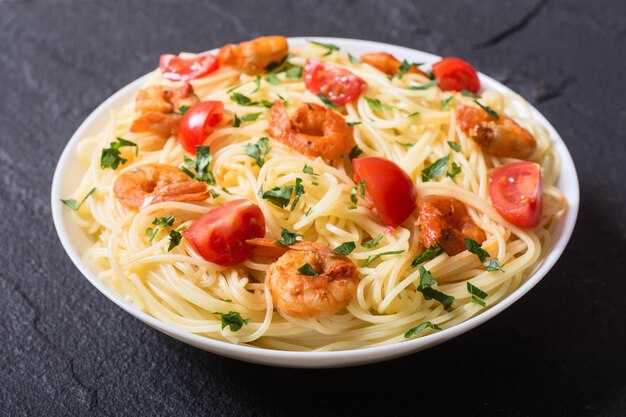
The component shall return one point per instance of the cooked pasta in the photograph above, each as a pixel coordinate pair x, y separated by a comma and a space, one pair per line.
412, 127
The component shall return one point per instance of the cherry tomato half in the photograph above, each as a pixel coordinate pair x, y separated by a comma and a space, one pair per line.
220, 235
176, 68
338, 84
516, 193
456, 74
387, 187
198, 122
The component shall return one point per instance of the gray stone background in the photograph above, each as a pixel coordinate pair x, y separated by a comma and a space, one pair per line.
66, 350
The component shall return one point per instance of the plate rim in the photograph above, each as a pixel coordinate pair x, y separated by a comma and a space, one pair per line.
324, 358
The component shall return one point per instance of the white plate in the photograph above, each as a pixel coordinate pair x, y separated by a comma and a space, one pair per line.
74, 240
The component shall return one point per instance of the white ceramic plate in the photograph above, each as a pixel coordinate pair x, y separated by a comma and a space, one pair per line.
74, 240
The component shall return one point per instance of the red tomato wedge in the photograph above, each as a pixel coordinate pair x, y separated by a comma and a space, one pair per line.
176, 68
220, 235
456, 74
516, 193
387, 187
338, 84
198, 122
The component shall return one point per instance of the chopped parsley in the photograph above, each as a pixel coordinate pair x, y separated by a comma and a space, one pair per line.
372, 258
183, 109
355, 152
287, 237
445, 104
298, 190
279, 196
403, 68
214, 193
233, 320
71, 203
426, 86
466, 93
307, 270
376, 105
258, 151
160, 223
200, 165
474, 290
436, 169
353, 123
294, 72
478, 301
236, 122
328, 102
372, 243
175, 237
272, 79
454, 171
414, 114
431, 253
476, 248
429, 293
454, 146
257, 83
243, 100
309, 170
405, 144
110, 157
421, 327
329, 47
353, 60
308, 212
491, 112
345, 248
250, 117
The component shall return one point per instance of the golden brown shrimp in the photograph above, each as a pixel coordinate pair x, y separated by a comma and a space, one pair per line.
156, 105
154, 183
312, 130
499, 137
254, 56
445, 220
387, 63
304, 296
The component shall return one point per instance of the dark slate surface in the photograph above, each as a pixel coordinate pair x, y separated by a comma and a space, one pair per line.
66, 350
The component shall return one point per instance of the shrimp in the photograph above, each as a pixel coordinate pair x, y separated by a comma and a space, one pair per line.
312, 130
388, 64
156, 105
304, 296
154, 183
499, 137
445, 221
254, 56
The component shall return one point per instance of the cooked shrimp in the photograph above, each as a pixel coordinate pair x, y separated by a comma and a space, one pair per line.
304, 296
312, 130
154, 183
254, 56
498, 137
445, 220
156, 105
387, 63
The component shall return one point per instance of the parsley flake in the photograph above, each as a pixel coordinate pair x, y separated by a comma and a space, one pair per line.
429, 293
236, 121
294, 72
287, 237
328, 102
353, 123
272, 79
455, 170
307, 270
478, 301
436, 169
372, 258
421, 327
353, 60
330, 47
110, 157
445, 104
372, 243
456, 147
491, 112
345, 248
175, 237
183, 109
309, 170
426, 86
474, 290
355, 152
376, 105
279, 196
71, 203
200, 165
160, 223
258, 151
233, 320
298, 190
476, 248
466, 93
431, 253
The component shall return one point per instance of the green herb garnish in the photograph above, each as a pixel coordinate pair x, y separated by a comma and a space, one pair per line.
160, 223
272, 79
454, 171
258, 151
426, 86
353, 60
445, 104
298, 190
307, 270
429, 293
376, 105
476, 248
287, 237
110, 157
466, 93
71, 203
345, 248
175, 237
330, 47
309, 170
431, 253
233, 320
491, 112
372, 258
353, 123
456, 147
421, 327
183, 109
328, 102
372, 243
436, 169
355, 152
279, 196
474, 290
294, 72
